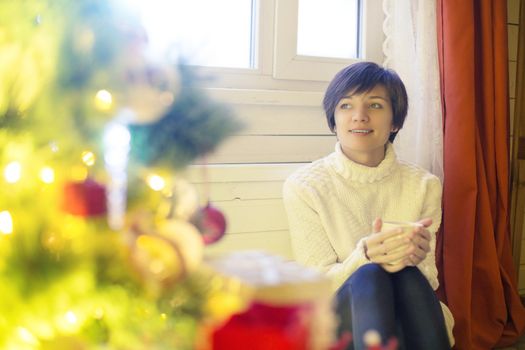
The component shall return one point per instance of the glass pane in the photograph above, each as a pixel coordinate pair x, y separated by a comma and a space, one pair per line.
204, 32
328, 28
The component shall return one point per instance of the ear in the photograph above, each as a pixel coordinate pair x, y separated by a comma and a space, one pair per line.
394, 129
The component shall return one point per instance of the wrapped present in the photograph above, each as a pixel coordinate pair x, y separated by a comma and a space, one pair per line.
277, 304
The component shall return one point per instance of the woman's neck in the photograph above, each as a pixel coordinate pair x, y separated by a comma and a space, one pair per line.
369, 158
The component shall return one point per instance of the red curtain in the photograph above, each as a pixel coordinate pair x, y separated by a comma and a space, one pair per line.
477, 273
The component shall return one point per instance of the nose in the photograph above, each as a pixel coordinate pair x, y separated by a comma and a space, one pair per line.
360, 114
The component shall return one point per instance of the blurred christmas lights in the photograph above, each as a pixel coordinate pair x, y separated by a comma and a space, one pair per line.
68, 323
156, 182
103, 100
71, 317
13, 172
88, 158
47, 175
6, 223
27, 337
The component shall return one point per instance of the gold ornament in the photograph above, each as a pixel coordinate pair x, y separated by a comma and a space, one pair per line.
167, 253
187, 238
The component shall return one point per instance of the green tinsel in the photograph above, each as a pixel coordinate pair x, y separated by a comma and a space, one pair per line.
192, 127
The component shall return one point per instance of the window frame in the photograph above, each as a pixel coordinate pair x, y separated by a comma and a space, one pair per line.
289, 65
277, 64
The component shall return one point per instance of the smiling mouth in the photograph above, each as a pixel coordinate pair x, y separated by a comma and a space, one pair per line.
361, 131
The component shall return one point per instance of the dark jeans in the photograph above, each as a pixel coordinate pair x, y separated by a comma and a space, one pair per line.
400, 304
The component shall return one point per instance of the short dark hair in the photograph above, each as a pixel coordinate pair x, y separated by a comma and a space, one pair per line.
362, 77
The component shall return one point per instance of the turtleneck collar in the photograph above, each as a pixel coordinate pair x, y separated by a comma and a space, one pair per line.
353, 171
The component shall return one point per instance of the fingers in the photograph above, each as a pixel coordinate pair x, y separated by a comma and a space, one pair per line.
420, 242
380, 237
410, 251
426, 222
413, 260
391, 258
418, 249
417, 253
386, 251
422, 231
392, 249
379, 244
376, 225
421, 238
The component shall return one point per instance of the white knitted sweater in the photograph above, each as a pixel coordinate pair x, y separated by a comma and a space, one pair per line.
332, 202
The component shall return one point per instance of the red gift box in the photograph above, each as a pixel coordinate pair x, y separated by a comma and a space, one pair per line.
264, 327
285, 306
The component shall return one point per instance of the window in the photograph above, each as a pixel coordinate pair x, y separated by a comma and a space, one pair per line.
329, 28
365, 17
209, 33
261, 43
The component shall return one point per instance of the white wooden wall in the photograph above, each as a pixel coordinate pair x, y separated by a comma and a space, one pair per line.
283, 130
250, 198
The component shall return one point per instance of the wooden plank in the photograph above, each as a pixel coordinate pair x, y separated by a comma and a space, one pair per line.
517, 69
522, 257
267, 97
241, 172
512, 79
272, 149
517, 211
227, 191
276, 242
279, 120
521, 279
259, 215
513, 11
521, 149
512, 35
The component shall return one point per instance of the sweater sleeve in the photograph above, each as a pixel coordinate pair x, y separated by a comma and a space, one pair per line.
310, 243
432, 209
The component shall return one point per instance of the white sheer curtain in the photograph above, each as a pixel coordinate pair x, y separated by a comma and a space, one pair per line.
410, 49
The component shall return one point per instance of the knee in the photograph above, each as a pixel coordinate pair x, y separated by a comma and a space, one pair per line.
368, 277
368, 272
410, 271
412, 275
411, 282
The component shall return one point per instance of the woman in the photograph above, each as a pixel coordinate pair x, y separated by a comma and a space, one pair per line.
335, 208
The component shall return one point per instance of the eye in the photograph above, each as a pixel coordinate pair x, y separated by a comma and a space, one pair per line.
345, 106
376, 105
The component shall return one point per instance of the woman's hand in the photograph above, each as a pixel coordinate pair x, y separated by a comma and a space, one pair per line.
382, 250
419, 243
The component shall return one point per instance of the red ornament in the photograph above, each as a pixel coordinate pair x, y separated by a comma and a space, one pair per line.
87, 198
211, 223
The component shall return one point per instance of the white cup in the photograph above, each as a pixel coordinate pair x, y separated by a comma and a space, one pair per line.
406, 226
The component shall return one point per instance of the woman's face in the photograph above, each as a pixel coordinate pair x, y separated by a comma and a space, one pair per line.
363, 124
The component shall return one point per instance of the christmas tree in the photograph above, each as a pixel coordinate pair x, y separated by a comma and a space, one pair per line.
100, 237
